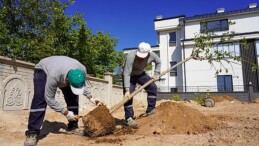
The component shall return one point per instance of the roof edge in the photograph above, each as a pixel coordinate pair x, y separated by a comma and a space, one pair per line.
169, 18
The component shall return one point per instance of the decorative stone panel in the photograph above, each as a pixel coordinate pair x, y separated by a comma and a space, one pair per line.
117, 96
15, 93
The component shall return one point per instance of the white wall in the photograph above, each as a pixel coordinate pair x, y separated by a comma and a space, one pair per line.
244, 23
164, 56
166, 24
176, 55
201, 73
167, 54
191, 29
257, 50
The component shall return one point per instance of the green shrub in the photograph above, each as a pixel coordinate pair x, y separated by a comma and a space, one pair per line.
199, 98
176, 98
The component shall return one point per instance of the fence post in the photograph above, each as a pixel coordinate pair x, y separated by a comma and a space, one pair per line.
108, 77
250, 92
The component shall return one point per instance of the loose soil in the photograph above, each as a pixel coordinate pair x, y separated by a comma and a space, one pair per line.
176, 118
174, 123
98, 122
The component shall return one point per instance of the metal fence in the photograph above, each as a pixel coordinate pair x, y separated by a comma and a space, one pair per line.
173, 89
242, 93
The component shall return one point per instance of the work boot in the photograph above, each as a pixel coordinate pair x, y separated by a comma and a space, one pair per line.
72, 128
151, 112
132, 123
31, 140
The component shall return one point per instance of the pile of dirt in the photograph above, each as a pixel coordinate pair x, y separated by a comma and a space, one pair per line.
98, 122
176, 118
223, 98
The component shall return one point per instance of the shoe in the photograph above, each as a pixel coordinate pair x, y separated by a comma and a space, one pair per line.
151, 112
72, 126
75, 131
31, 140
132, 123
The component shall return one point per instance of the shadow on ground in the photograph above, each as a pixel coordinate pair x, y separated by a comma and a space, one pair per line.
51, 127
120, 122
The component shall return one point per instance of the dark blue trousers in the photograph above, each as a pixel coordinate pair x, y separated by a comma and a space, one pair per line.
38, 105
151, 90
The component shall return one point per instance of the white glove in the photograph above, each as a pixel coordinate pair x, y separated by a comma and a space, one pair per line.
95, 101
71, 117
98, 103
155, 76
127, 94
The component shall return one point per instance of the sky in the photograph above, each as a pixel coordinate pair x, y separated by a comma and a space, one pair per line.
132, 21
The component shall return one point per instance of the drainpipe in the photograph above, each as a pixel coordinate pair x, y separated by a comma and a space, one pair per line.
184, 56
167, 47
184, 67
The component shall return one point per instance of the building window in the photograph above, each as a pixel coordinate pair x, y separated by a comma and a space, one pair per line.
157, 53
174, 90
224, 83
172, 38
218, 25
257, 47
173, 72
158, 38
232, 48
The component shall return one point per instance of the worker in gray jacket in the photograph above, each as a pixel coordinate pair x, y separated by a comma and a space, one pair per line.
133, 73
51, 73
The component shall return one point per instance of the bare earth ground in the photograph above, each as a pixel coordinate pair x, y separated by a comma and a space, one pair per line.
230, 122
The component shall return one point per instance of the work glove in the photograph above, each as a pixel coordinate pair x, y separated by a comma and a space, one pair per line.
71, 117
127, 94
95, 101
155, 76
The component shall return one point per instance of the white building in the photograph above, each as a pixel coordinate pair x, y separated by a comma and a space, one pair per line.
176, 42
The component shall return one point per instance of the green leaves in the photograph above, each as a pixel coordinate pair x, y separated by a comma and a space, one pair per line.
219, 48
34, 29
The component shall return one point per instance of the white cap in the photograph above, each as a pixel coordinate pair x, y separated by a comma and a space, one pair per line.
78, 91
143, 50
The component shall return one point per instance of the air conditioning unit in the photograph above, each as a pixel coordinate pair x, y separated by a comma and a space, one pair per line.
252, 5
220, 10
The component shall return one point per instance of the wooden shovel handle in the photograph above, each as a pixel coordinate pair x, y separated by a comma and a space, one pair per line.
125, 99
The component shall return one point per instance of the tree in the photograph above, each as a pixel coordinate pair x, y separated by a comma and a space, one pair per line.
34, 29
117, 73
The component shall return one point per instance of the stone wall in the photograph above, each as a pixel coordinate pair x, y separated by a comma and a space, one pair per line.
16, 84
16, 87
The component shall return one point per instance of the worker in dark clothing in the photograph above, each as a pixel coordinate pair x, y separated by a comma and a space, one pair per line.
133, 73
51, 73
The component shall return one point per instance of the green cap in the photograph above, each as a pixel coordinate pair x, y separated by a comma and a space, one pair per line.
76, 79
